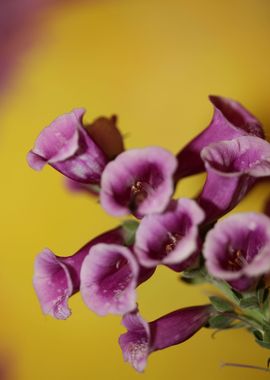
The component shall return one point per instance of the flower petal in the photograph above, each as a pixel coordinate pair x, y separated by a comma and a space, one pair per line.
232, 168
230, 120
135, 343
171, 237
138, 181
57, 278
238, 247
109, 277
142, 338
53, 285
68, 148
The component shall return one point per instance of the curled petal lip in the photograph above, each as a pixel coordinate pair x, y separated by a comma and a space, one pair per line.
225, 150
57, 307
136, 344
69, 144
143, 338
68, 148
236, 115
57, 278
230, 120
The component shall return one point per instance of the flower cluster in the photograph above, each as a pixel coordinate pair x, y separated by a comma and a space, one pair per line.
184, 234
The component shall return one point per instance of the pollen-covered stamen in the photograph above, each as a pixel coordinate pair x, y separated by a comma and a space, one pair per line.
138, 194
173, 239
237, 259
120, 263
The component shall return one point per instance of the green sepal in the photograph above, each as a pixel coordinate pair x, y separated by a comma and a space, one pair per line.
221, 322
129, 231
194, 276
221, 304
249, 302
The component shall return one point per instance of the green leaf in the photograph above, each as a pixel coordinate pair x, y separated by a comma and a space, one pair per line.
249, 302
221, 321
129, 230
221, 304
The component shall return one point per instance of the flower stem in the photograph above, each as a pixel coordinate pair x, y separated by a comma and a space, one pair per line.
245, 366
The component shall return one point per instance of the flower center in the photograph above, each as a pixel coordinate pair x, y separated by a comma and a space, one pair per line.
120, 263
236, 260
138, 195
173, 239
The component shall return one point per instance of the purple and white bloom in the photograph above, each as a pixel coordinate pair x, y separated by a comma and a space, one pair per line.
143, 338
230, 120
232, 168
57, 278
170, 238
109, 277
66, 145
237, 249
138, 181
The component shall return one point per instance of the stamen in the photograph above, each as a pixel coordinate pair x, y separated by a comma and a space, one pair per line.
138, 195
237, 260
120, 263
172, 242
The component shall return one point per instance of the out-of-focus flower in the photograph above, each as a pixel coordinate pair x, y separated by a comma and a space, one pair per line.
66, 146
232, 168
170, 238
230, 120
57, 278
142, 338
109, 277
138, 181
20, 28
237, 249
107, 136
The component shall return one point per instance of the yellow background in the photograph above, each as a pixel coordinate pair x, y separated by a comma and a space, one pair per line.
153, 63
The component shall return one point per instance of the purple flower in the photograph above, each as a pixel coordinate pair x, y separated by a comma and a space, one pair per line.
138, 181
237, 249
109, 277
142, 338
66, 145
230, 120
232, 168
57, 278
170, 238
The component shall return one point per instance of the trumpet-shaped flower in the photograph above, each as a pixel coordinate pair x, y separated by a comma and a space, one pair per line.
232, 168
230, 120
170, 238
237, 249
109, 277
143, 338
66, 145
138, 181
57, 278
